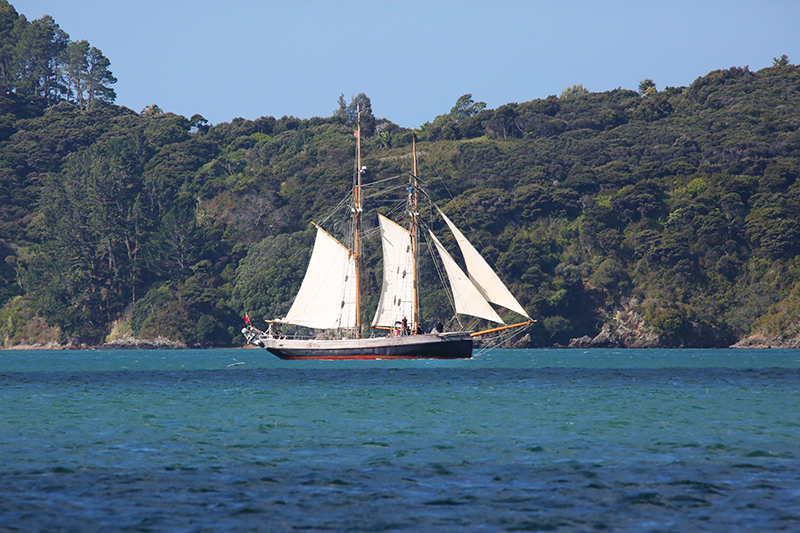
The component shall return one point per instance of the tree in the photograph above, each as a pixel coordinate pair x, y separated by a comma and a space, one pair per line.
35, 56
76, 72
576, 91
56, 40
646, 85
99, 79
341, 111
360, 102
466, 107
349, 112
88, 76
653, 108
37, 59
198, 123
152, 110
501, 125
8, 20
780, 62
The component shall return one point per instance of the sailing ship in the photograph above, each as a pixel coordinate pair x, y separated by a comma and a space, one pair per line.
329, 298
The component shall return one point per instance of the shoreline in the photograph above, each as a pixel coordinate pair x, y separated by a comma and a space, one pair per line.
126, 344
748, 343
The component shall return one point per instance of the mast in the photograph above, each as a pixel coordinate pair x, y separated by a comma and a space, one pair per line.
412, 200
357, 222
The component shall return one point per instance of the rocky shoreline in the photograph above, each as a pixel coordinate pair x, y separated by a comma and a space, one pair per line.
762, 340
159, 343
626, 331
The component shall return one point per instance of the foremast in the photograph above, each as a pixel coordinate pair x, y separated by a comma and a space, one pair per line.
416, 323
357, 209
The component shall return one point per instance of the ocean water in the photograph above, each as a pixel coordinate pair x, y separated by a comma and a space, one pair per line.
512, 440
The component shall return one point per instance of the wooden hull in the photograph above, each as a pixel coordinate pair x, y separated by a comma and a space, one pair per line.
430, 346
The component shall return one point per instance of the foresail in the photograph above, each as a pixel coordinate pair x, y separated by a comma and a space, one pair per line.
327, 296
397, 293
482, 275
468, 300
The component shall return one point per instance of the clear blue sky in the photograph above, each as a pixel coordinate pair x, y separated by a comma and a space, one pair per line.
249, 58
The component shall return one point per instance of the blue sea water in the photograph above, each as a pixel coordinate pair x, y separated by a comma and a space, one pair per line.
512, 440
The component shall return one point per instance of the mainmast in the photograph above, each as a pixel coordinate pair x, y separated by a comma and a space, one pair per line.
416, 323
357, 222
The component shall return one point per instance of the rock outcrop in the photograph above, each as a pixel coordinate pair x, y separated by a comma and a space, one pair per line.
762, 340
626, 330
130, 343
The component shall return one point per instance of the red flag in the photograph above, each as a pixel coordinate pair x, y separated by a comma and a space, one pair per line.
246, 319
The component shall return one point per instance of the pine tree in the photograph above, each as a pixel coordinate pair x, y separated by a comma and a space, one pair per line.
99, 78
76, 72
8, 20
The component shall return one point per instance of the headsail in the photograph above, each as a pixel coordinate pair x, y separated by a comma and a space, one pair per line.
397, 293
467, 298
327, 296
482, 275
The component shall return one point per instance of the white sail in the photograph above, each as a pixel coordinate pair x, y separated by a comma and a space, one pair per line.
397, 293
467, 298
482, 275
327, 296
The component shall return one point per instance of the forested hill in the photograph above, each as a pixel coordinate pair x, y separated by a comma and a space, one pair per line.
635, 218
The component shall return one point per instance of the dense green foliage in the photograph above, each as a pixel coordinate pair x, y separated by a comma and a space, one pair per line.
38, 60
682, 205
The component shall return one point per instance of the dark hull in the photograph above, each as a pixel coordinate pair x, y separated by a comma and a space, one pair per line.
412, 347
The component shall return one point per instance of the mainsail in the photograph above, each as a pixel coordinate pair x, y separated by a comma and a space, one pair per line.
482, 275
468, 300
327, 296
397, 293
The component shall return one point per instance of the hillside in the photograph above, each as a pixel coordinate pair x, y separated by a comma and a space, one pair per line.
669, 218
